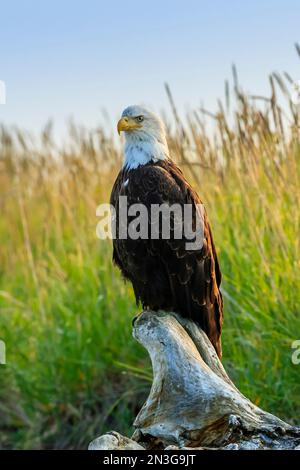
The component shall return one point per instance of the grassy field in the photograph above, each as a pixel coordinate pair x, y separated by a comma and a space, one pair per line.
73, 371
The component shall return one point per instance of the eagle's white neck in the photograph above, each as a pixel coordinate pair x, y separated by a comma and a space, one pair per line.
142, 147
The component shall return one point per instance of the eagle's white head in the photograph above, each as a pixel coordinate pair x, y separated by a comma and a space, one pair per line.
145, 137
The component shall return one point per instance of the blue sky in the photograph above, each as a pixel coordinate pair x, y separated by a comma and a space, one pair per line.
76, 58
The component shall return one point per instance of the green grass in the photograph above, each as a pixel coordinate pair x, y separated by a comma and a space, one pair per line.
73, 370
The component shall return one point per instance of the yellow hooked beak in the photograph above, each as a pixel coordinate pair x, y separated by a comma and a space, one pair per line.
127, 124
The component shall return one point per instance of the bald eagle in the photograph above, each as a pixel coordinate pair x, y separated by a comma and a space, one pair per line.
164, 273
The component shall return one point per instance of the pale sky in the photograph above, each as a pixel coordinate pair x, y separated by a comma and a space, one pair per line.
74, 58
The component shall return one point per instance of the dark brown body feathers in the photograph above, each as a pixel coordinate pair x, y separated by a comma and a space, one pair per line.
164, 274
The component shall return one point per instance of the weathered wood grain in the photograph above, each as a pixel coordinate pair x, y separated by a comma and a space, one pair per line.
192, 401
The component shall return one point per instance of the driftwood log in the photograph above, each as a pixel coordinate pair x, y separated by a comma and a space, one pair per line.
192, 401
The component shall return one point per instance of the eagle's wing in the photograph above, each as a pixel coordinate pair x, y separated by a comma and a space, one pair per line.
194, 275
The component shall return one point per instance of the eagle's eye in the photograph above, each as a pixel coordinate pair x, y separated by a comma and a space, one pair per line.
140, 118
